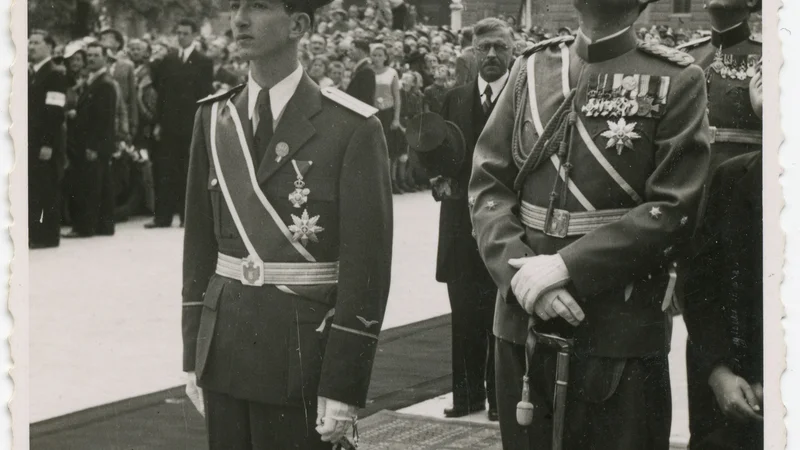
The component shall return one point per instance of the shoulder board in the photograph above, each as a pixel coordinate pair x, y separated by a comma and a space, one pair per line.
547, 43
693, 44
756, 39
222, 95
349, 102
667, 53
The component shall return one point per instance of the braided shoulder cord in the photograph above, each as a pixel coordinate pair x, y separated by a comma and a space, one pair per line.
519, 101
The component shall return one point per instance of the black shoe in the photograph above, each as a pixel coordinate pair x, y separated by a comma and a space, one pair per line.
151, 225
74, 235
493, 415
461, 411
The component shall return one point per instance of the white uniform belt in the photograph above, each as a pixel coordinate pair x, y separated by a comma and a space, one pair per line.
579, 223
279, 273
735, 136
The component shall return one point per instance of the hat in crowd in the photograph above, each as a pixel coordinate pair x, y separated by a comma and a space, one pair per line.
117, 34
73, 48
568, 30
439, 143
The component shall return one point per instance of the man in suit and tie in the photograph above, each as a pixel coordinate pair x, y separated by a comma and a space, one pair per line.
122, 71
95, 137
362, 84
287, 250
469, 285
181, 79
46, 141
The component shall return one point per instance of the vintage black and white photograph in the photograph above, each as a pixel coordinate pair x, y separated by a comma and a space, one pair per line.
399, 224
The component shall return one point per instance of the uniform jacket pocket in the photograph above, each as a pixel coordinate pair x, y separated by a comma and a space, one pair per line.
595, 379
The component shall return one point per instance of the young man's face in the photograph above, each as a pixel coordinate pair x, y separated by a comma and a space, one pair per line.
95, 59
185, 35
109, 41
37, 48
336, 73
260, 28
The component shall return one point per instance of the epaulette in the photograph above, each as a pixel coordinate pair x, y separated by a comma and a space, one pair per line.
756, 39
667, 53
693, 44
547, 43
349, 102
221, 95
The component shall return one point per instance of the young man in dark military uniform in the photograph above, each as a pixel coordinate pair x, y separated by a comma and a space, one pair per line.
586, 181
731, 58
46, 141
287, 246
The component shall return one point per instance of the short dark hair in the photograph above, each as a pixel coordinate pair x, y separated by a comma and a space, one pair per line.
96, 45
489, 25
45, 37
188, 23
117, 35
466, 36
361, 44
302, 7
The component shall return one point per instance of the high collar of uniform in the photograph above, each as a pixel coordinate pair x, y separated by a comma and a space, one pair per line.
731, 36
605, 48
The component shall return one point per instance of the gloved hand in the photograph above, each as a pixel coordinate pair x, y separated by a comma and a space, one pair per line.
558, 303
194, 393
334, 418
536, 276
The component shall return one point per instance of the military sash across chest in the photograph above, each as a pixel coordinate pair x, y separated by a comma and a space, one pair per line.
258, 223
560, 223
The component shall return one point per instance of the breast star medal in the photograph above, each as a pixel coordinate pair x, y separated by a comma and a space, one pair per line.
620, 135
305, 228
282, 149
299, 196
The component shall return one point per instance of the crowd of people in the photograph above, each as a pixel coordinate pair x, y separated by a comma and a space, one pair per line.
379, 53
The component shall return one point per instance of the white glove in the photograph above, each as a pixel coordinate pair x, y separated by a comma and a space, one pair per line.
194, 393
334, 418
536, 276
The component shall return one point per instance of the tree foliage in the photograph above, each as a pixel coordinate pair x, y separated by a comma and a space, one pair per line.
55, 16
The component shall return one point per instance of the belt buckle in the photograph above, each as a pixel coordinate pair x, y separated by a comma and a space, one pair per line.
252, 271
557, 224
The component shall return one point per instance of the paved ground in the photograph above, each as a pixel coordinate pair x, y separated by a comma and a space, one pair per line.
105, 313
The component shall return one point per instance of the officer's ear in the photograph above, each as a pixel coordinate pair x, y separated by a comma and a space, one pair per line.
301, 24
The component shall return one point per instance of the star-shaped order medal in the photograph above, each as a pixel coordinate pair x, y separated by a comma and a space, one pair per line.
620, 135
655, 212
305, 228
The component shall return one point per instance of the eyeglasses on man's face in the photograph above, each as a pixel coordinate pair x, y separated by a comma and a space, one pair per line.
486, 47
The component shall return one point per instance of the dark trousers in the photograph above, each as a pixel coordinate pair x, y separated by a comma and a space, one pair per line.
472, 304
44, 215
170, 169
235, 424
94, 192
611, 404
709, 428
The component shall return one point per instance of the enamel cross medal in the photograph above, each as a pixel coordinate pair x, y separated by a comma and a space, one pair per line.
299, 196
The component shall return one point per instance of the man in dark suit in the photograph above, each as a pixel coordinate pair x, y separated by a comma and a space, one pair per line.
95, 137
469, 285
724, 311
287, 250
362, 83
181, 79
46, 141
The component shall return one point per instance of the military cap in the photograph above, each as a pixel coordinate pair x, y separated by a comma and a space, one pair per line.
439, 143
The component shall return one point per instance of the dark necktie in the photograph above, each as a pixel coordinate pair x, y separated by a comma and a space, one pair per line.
487, 100
264, 131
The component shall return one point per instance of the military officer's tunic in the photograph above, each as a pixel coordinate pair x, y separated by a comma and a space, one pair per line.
317, 211
631, 146
730, 60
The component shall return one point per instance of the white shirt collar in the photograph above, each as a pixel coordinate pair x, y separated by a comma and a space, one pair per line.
497, 86
604, 38
187, 52
279, 95
95, 75
40, 64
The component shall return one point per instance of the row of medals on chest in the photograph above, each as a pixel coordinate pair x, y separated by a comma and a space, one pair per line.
620, 95
736, 67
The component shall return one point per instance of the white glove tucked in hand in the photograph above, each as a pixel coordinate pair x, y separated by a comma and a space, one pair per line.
194, 393
537, 288
334, 418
